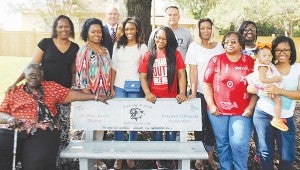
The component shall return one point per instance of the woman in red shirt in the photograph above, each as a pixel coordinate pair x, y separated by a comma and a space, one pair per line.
162, 73
34, 105
230, 106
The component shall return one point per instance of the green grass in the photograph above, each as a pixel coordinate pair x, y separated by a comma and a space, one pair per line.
10, 69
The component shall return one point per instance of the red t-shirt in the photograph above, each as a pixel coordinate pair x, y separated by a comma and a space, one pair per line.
229, 83
159, 84
22, 106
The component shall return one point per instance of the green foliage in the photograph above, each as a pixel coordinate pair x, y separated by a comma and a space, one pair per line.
196, 8
267, 29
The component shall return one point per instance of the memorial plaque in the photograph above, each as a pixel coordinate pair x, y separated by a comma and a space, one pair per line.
135, 114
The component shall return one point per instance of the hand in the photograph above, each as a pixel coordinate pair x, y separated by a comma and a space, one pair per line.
191, 96
277, 79
272, 89
14, 123
214, 110
103, 98
181, 98
247, 113
150, 97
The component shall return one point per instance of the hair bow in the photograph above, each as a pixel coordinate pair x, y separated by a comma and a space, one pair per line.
261, 45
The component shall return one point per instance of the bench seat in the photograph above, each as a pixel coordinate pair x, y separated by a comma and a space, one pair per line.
141, 150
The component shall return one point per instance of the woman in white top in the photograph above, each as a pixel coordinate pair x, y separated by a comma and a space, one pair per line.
127, 53
198, 55
284, 52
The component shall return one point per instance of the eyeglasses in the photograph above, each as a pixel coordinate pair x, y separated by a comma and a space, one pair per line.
160, 38
249, 29
285, 51
231, 42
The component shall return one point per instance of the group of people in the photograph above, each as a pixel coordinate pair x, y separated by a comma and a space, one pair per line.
237, 93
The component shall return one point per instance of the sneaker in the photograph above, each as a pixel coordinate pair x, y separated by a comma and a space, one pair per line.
279, 125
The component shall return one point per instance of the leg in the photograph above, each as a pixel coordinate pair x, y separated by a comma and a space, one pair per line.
266, 140
286, 145
220, 126
6, 148
277, 121
240, 129
40, 150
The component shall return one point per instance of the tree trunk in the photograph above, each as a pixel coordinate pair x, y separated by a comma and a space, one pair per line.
141, 9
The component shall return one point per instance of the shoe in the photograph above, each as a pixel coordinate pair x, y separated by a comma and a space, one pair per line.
279, 125
165, 164
100, 165
130, 164
118, 164
214, 165
256, 159
199, 165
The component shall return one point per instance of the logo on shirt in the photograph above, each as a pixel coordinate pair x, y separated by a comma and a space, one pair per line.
160, 71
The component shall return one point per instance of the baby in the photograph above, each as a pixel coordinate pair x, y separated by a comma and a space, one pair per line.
264, 74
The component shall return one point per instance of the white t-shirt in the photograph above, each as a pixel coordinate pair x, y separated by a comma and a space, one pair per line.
289, 82
200, 56
125, 61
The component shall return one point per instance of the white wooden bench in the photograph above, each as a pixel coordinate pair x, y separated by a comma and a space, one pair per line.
133, 114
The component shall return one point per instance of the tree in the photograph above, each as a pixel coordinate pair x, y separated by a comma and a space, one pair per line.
50, 9
142, 10
197, 8
280, 13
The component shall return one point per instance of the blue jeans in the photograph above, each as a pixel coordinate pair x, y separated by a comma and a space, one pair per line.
232, 135
170, 135
267, 135
121, 93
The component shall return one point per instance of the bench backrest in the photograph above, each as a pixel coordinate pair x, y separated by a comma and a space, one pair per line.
136, 114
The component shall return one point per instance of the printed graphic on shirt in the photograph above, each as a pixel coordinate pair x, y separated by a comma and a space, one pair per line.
160, 71
180, 42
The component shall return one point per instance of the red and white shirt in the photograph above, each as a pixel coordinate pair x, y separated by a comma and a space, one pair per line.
229, 83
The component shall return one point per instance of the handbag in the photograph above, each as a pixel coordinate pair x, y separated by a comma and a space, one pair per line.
132, 86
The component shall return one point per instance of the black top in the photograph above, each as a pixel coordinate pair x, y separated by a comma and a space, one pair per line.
57, 66
108, 43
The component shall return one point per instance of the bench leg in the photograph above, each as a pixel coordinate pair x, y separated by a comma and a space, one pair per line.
86, 164
184, 164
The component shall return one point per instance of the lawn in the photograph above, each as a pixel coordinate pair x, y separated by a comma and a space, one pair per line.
10, 69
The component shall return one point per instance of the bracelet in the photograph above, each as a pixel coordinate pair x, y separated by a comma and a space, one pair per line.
96, 97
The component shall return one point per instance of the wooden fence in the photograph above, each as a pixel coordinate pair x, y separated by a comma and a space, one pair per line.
23, 43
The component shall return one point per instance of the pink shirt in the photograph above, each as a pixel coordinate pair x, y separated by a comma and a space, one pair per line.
229, 83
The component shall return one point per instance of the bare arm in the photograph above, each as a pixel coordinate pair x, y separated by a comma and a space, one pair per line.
37, 58
250, 108
292, 94
148, 95
181, 97
262, 70
73, 72
80, 96
193, 80
208, 95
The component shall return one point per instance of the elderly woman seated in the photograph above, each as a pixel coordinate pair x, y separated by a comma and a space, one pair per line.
32, 107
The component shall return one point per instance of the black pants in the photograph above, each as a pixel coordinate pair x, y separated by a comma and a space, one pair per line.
36, 152
206, 135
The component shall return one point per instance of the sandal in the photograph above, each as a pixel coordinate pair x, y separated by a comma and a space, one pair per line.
279, 124
118, 164
214, 165
199, 164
